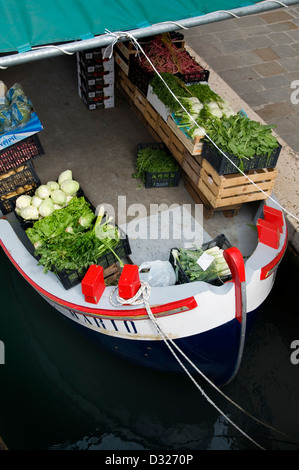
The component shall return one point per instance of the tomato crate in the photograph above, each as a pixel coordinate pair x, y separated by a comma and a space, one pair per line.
16, 154
224, 166
161, 178
182, 278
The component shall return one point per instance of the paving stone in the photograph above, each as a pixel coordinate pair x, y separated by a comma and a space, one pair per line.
247, 21
287, 124
292, 140
291, 64
271, 112
268, 69
291, 76
254, 100
224, 62
248, 58
280, 38
294, 34
229, 47
284, 51
285, 26
255, 42
276, 95
231, 35
266, 54
273, 81
275, 16
239, 75
248, 86
256, 30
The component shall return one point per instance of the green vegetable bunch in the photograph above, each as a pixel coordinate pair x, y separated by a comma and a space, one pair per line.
242, 137
154, 160
69, 239
188, 260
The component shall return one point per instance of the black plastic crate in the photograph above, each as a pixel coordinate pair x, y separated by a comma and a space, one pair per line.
141, 78
15, 179
8, 205
16, 154
223, 166
221, 241
162, 178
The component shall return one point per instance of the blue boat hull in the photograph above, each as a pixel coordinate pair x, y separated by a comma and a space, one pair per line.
214, 352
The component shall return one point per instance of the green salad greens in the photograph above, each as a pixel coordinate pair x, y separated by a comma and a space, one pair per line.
240, 136
189, 262
154, 160
72, 238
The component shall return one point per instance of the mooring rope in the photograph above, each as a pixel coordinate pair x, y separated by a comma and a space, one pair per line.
120, 35
142, 297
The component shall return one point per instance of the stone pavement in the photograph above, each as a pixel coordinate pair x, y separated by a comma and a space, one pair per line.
258, 57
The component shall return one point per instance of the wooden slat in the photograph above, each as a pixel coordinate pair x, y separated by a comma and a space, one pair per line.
193, 146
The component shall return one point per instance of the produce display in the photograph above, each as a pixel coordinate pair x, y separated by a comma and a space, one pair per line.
166, 57
154, 160
48, 197
202, 265
239, 136
15, 107
73, 238
207, 113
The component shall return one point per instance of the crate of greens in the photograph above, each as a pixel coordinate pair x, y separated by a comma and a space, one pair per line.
72, 238
156, 166
205, 263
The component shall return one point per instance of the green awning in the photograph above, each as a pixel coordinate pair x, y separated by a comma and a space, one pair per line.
27, 24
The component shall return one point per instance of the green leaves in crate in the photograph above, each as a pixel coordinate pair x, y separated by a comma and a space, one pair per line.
154, 160
242, 137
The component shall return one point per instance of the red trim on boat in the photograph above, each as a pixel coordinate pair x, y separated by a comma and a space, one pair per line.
234, 259
172, 307
270, 267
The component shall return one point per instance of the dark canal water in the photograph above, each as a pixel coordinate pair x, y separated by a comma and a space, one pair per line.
60, 392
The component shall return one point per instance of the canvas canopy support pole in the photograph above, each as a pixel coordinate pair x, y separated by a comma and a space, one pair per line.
43, 52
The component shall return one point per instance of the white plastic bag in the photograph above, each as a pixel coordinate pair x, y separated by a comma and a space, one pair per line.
157, 273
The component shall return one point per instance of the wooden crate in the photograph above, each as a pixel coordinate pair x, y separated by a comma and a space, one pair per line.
192, 166
221, 191
124, 83
199, 198
112, 274
194, 146
177, 149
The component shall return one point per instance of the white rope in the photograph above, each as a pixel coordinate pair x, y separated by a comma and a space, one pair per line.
59, 48
142, 296
138, 46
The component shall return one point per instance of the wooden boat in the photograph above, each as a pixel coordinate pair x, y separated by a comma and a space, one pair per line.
209, 324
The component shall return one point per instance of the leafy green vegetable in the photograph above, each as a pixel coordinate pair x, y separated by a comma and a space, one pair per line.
63, 242
177, 87
154, 160
188, 260
240, 136
203, 92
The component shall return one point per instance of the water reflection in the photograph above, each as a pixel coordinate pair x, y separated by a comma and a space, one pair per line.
59, 391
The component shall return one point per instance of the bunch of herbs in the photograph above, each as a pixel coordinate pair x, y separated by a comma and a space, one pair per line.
155, 161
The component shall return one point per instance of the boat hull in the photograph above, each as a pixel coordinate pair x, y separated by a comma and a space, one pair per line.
213, 352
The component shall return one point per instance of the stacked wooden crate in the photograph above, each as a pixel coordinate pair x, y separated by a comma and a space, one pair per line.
216, 192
